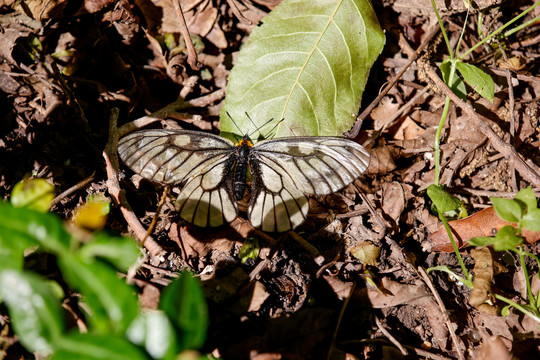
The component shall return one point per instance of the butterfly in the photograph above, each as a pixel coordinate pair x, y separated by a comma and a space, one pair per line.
213, 172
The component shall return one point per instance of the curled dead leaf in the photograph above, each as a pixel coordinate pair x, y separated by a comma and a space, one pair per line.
483, 223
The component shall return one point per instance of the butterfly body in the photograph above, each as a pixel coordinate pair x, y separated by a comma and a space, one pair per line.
213, 173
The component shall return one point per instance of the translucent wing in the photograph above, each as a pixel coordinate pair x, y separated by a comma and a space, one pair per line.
203, 162
285, 169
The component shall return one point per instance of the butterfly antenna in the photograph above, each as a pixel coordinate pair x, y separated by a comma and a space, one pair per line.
235, 124
274, 127
257, 128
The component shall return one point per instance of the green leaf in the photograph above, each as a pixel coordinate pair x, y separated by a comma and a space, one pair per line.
33, 308
119, 251
505, 311
444, 201
249, 250
154, 331
33, 193
96, 347
481, 241
481, 82
527, 197
184, 302
531, 220
507, 209
112, 302
457, 86
45, 229
506, 239
307, 65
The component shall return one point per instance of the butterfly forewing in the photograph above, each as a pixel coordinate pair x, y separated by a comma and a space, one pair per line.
203, 162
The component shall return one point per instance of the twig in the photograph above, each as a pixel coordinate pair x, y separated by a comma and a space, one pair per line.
72, 189
506, 149
510, 110
112, 165
192, 54
356, 128
428, 282
334, 335
238, 13
389, 336
156, 215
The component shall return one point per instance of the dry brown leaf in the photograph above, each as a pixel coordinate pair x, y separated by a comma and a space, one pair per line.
483, 223
493, 348
383, 114
382, 160
484, 271
408, 130
393, 200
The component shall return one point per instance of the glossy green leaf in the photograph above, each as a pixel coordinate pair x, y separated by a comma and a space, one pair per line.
96, 347
119, 251
307, 65
507, 209
45, 229
506, 239
184, 302
33, 309
531, 220
481, 82
443, 200
249, 250
481, 241
112, 302
33, 193
457, 86
154, 331
526, 196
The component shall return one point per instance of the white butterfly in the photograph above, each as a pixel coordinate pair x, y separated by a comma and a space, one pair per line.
213, 171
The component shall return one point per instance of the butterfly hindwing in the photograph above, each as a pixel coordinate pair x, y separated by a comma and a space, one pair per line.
314, 165
203, 162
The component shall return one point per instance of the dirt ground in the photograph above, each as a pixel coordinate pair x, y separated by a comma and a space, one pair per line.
311, 293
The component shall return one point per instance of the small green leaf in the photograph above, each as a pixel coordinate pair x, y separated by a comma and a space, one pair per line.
442, 199
112, 302
481, 241
457, 86
507, 209
96, 347
93, 214
531, 220
154, 331
33, 308
506, 239
505, 311
527, 197
119, 251
184, 302
33, 193
249, 250
45, 229
308, 65
481, 82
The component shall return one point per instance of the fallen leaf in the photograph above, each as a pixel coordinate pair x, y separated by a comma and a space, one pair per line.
483, 223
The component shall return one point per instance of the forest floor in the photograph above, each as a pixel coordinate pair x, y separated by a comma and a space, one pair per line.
312, 292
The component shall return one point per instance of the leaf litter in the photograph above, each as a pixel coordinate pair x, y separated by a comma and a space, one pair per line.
64, 68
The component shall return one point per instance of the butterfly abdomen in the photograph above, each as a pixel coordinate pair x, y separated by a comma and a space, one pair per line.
240, 172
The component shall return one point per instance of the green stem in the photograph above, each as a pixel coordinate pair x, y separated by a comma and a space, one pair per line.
445, 35
456, 250
518, 306
487, 38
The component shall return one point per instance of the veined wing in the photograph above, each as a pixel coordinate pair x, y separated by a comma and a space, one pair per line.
314, 165
172, 156
276, 205
204, 162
